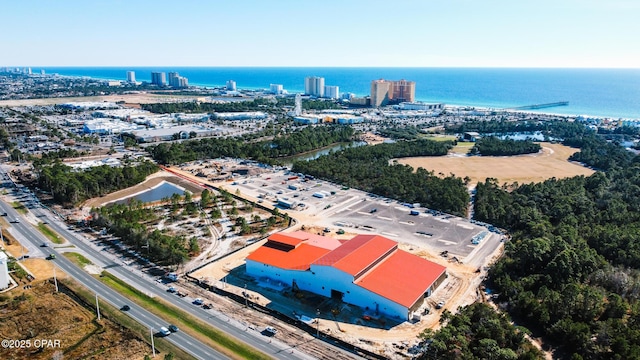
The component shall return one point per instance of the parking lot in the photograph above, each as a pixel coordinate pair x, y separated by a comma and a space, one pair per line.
339, 209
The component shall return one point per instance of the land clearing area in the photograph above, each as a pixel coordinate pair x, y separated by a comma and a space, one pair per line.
39, 313
550, 162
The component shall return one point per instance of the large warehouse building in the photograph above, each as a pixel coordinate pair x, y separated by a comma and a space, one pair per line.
368, 270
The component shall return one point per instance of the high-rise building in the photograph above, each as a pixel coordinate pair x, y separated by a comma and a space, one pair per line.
380, 92
276, 88
131, 76
384, 91
404, 91
231, 85
314, 86
298, 109
332, 92
158, 78
42, 72
177, 81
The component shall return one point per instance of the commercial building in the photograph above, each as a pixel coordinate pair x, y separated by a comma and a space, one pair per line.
231, 85
368, 271
4, 271
245, 115
314, 86
332, 92
131, 76
420, 106
158, 78
384, 92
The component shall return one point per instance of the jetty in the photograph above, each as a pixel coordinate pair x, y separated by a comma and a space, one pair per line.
540, 106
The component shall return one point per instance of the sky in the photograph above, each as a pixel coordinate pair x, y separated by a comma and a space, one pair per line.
328, 33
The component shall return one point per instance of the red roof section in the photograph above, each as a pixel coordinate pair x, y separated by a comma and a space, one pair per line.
285, 239
358, 253
402, 277
299, 258
300, 250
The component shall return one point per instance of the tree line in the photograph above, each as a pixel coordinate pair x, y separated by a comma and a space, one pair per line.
367, 168
68, 186
493, 146
287, 144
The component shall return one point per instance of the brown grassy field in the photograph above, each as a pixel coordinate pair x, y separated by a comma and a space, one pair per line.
551, 162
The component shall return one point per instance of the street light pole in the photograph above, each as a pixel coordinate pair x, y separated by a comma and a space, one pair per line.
153, 346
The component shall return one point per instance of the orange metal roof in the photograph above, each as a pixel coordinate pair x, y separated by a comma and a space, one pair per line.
299, 258
402, 277
356, 254
286, 239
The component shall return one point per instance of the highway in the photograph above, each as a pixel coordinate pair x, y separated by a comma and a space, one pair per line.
189, 344
244, 332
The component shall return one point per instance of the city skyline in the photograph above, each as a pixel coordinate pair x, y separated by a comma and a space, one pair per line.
459, 33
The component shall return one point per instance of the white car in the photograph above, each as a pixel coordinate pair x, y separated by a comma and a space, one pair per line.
164, 331
271, 330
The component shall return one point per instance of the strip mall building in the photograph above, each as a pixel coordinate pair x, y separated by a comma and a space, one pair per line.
368, 271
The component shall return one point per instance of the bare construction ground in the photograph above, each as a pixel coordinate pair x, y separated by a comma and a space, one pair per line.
550, 162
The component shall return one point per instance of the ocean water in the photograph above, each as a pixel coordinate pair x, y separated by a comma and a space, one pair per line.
596, 92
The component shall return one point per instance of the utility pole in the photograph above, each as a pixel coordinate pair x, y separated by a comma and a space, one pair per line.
246, 301
153, 346
55, 280
97, 307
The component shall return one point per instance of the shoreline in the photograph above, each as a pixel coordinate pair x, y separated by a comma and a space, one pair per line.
451, 104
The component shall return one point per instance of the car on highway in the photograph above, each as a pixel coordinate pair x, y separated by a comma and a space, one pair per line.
51, 256
171, 289
15, 221
44, 245
164, 331
198, 301
4, 214
125, 308
173, 328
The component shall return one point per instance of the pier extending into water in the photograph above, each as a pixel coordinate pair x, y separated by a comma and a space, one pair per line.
540, 106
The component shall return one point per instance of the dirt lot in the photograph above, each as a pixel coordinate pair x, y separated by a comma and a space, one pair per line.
551, 162
141, 98
39, 313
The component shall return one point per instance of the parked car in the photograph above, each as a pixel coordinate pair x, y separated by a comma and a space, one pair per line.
171, 289
440, 305
198, 301
271, 330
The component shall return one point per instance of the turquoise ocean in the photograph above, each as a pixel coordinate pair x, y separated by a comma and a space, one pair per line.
613, 93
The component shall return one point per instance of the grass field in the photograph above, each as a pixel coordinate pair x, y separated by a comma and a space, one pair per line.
205, 333
49, 233
551, 162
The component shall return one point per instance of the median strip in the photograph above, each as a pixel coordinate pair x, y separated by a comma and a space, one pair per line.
215, 338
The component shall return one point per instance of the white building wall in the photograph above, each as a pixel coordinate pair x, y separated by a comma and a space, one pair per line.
322, 279
4, 271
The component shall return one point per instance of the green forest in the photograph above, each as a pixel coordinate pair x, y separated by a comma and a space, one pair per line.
291, 143
367, 168
257, 104
571, 271
68, 186
493, 146
478, 332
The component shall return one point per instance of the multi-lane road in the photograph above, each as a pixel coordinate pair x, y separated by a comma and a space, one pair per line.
241, 331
